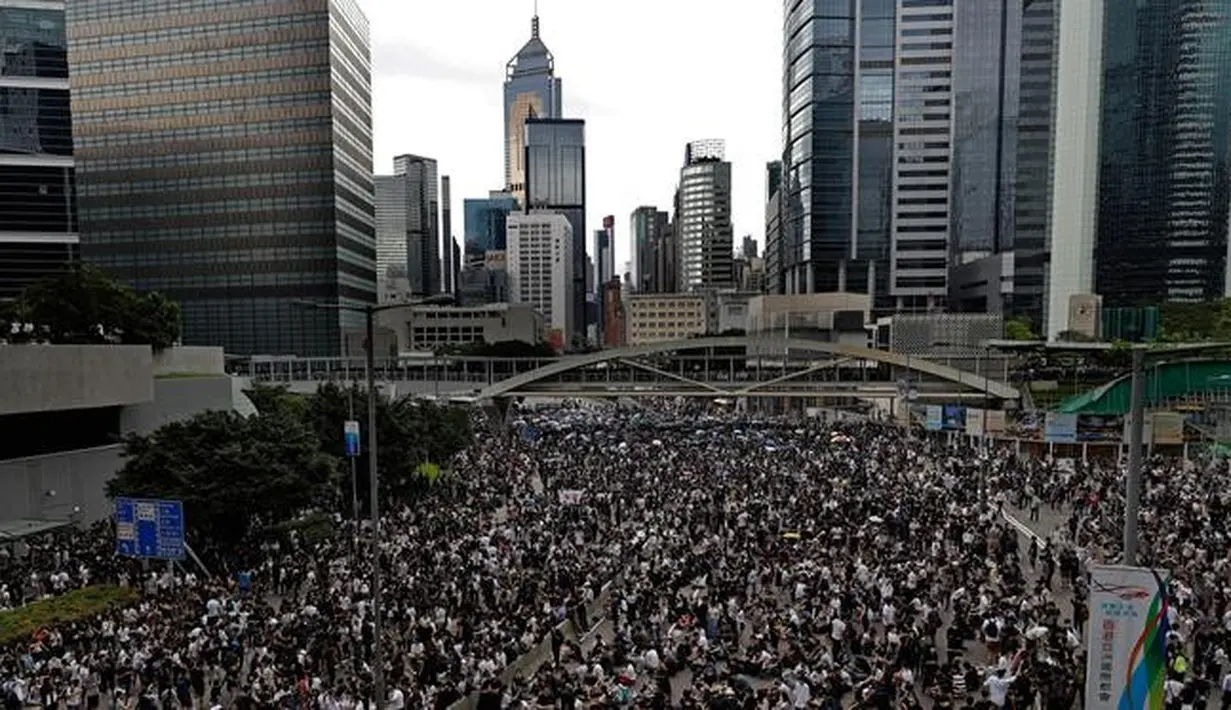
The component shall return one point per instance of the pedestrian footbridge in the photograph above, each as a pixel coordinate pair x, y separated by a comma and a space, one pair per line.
720, 367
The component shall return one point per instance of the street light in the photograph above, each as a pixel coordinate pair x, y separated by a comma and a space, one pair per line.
369, 312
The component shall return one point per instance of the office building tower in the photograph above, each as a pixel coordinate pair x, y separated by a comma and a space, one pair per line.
484, 225
773, 227
38, 214
749, 248
1164, 183
646, 228
665, 252
456, 278
224, 157
604, 248
556, 182
531, 90
392, 261
838, 155
704, 231
447, 284
422, 221
540, 271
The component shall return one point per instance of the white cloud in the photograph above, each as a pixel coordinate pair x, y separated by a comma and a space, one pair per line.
647, 75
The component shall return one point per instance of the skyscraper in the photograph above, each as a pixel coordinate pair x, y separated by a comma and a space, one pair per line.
531, 90
38, 221
1164, 168
484, 225
604, 247
556, 182
234, 180
838, 155
706, 237
540, 267
392, 261
647, 226
447, 284
422, 221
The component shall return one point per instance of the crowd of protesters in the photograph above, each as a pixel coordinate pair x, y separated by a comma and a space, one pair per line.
671, 557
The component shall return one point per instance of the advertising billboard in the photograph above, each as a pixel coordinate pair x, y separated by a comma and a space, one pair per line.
975, 422
1060, 428
935, 419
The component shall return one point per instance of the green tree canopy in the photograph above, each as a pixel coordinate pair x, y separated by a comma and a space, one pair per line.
1196, 322
504, 348
85, 306
1019, 328
232, 473
409, 432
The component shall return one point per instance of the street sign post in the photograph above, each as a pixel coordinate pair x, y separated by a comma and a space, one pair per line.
350, 431
153, 529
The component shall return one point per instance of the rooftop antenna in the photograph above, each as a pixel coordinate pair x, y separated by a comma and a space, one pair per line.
534, 22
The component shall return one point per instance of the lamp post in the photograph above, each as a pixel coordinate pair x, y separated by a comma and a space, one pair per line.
369, 312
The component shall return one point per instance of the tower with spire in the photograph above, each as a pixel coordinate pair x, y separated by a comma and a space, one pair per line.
531, 90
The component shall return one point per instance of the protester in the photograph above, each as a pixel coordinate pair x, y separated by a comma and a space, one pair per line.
664, 556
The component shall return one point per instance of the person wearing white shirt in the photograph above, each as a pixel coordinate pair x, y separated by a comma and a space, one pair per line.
397, 700
998, 687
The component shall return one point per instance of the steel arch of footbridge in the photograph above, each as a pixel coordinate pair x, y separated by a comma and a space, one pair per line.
511, 385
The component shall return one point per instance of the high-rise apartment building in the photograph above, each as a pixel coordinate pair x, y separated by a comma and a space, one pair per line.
422, 221
704, 230
38, 220
540, 269
531, 90
556, 182
224, 157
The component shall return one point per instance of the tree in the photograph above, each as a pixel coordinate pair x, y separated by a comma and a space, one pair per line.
1196, 322
1075, 336
235, 475
410, 432
1019, 328
504, 348
84, 306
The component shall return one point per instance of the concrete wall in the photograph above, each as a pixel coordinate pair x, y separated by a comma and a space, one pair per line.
42, 378
184, 359
178, 398
49, 487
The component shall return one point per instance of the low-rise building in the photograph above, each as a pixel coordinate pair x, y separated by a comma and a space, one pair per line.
426, 328
663, 317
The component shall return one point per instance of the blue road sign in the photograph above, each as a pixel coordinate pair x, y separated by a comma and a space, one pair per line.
149, 528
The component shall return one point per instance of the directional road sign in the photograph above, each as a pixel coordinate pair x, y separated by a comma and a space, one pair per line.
149, 528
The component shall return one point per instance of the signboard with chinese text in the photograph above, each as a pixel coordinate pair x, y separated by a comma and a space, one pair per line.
935, 418
1127, 661
1060, 428
149, 528
974, 422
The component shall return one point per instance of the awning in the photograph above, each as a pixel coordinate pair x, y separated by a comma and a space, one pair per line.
24, 527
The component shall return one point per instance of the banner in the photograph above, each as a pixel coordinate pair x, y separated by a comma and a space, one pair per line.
570, 497
1168, 427
1060, 428
994, 421
975, 421
935, 419
1127, 662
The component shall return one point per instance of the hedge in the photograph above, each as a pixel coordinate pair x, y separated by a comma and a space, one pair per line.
21, 624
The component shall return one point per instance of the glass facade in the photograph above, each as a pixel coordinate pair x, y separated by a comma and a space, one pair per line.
485, 225
556, 182
531, 90
38, 222
245, 181
706, 236
422, 221
1163, 179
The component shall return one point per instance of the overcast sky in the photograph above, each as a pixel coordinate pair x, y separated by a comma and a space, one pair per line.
647, 76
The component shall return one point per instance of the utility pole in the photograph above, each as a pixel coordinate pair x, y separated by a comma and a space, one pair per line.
1132, 481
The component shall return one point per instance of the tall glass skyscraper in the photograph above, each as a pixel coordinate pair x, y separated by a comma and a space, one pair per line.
485, 225
422, 221
556, 182
38, 221
706, 236
225, 159
1164, 179
531, 90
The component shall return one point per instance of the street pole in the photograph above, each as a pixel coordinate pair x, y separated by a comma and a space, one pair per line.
1132, 483
354, 476
378, 660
